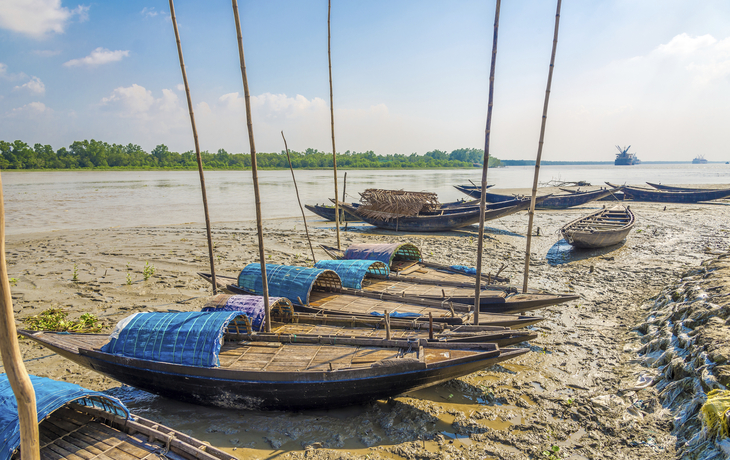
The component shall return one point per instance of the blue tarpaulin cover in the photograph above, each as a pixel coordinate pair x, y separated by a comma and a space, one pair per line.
464, 269
385, 253
50, 395
190, 339
284, 280
352, 272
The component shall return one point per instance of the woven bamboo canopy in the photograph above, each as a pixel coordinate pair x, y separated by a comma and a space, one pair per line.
391, 204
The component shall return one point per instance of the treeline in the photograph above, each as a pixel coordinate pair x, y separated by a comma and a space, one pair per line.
101, 155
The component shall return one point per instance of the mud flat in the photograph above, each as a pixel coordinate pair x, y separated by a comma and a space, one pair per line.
574, 396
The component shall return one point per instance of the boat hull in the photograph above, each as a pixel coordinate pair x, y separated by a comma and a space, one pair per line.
328, 213
234, 389
658, 196
550, 202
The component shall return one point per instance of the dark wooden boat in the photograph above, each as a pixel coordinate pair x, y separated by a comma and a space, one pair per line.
443, 221
376, 282
406, 263
288, 322
320, 292
671, 188
267, 371
548, 202
76, 423
658, 196
328, 212
600, 229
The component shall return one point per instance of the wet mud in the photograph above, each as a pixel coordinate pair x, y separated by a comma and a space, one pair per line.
573, 397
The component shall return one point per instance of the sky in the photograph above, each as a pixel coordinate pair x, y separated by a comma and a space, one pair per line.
408, 76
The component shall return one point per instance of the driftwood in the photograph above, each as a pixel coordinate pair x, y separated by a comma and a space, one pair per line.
390, 204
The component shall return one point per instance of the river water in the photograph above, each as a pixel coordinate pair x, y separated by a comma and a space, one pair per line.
61, 200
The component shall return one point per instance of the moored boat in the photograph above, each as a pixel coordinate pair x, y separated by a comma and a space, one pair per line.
328, 212
547, 202
672, 188
76, 423
208, 358
600, 229
660, 196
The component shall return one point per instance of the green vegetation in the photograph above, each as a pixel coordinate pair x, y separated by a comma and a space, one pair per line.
147, 271
54, 319
101, 155
553, 453
13, 281
75, 273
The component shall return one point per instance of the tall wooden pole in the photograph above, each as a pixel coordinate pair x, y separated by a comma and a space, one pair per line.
332, 118
197, 146
13, 360
254, 169
296, 189
539, 150
485, 167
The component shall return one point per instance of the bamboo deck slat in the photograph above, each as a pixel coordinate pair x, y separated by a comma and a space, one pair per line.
415, 289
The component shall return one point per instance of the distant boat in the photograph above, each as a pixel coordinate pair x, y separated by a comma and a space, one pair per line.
624, 158
699, 160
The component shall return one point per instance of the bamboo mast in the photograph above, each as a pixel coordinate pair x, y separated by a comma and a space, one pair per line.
13, 360
485, 167
296, 189
539, 149
254, 169
197, 146
332, 118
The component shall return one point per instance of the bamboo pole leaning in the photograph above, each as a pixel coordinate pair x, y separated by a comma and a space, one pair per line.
296, 189
197, 146
254, 169
485, 166
13, 360
539, 150
332, 117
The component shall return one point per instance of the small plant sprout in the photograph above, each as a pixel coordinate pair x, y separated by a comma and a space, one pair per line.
13, 281
129, 278
75, 276
553, 453
148, 271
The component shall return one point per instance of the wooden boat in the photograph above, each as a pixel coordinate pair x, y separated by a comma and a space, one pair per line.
442, 221
288, 322
671, 188
549, 202
320, 291
406, 263
658, 196
75, 423
361, 275
328, 212
209, 359
600, 229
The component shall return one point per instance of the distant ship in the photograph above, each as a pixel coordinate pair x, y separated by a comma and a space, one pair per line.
624, 158
699, 160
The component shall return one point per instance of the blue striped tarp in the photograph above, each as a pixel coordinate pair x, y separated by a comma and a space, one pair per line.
294, 283
190, 339
352, 272
50, 395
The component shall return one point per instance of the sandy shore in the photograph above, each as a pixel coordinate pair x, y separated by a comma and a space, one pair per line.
562, 394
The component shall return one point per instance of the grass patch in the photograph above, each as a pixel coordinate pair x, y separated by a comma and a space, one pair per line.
54, 319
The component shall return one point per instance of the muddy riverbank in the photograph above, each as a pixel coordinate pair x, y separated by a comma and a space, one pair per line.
566, 397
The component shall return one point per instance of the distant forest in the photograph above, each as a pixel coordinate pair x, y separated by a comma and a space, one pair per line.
101, 155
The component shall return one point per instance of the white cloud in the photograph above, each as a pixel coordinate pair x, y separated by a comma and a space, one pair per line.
10, 76
97, 57
46, 53
684, 44
37, 18
149, 12
35, 85
180, 87
132, 100
29, 110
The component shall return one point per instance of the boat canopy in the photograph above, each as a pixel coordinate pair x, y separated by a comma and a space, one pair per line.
352, 272
50, 395
385, 253
190, 338
294, 283
251, 305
